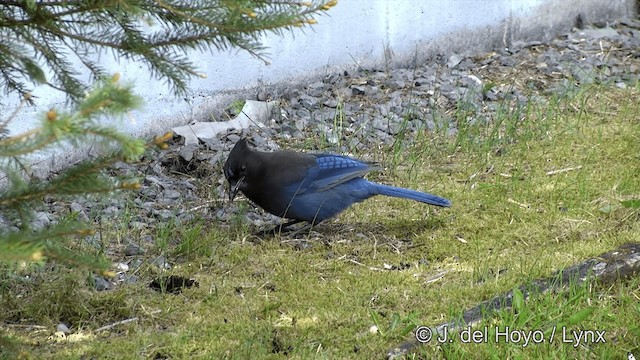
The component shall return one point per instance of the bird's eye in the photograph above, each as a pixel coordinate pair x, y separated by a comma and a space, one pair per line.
243, 168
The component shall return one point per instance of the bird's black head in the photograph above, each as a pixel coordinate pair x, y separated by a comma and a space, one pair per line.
235, 168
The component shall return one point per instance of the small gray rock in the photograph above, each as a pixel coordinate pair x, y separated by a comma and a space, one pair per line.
76, 207
93, 240
186, 217
131, 279
491, 95
395, 84
332, 79
507, 61
332, 138
63, 328
307, 101
171, 194
41, 220
316, 89
153, 180
187, 152
420, 82
163, 214
213, 144
111, 211
233, 138
138, 225
303, 245
292, 94
133, 249
101, 284
149, 192
454, 60
79, 210
135, 263
597, 33
331, 103
358, 90
301, 123
161, 262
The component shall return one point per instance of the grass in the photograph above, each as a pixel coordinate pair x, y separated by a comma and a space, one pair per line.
328, 295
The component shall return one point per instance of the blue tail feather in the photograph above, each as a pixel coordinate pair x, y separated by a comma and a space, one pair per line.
379, 189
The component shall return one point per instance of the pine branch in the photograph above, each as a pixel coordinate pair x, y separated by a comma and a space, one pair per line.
83, 178
29, 246
18, 246
54, 250
108, 98
148, 31
43, 37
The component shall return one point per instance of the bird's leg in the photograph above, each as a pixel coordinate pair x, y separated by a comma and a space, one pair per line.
306, 228
300, 230
279, 229
286, 227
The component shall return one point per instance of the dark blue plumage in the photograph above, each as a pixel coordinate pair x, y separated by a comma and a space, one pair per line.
307, 187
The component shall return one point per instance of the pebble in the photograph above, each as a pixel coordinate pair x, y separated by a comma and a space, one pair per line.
100, 283
331, 103
161, 262
133, 249
79, 210
171, 193
136, 263
63, 328
395, 84
163, 214
131, 279
41, 220
358, 90
454, 60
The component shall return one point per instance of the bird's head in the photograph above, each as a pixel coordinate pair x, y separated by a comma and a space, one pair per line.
235, 168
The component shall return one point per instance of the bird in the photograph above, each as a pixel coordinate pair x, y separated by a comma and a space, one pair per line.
307, 187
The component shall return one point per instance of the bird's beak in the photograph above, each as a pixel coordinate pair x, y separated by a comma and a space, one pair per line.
234, 188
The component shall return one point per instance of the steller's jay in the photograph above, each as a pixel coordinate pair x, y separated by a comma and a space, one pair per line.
306, 187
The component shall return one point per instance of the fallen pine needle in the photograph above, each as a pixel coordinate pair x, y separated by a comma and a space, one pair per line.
107, 327
436, 277
518, 203
560, 171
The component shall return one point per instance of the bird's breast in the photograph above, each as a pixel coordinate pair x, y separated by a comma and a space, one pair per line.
271, 197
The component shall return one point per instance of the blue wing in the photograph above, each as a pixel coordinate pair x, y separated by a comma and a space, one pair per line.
333, 183
333, 170
329, 186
